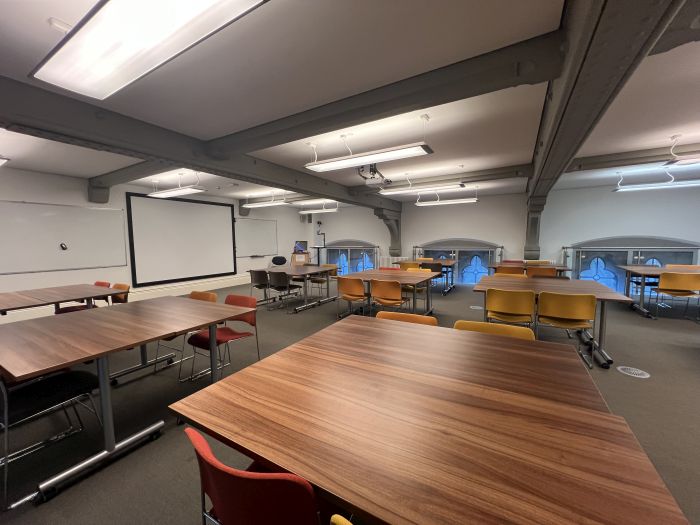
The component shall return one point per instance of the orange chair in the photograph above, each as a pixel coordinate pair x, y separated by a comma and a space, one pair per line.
509, 275
424, 259
405, 265
78, 307
519, 332
408, 318
122, 297
386, 293
515, 270
352, 290
507, 306
534, 271
683, 285
253, 498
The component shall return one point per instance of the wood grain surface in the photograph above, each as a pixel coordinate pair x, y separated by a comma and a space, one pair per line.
544, 284
38, 346
653, 271
403, 277
57, 294
416, 424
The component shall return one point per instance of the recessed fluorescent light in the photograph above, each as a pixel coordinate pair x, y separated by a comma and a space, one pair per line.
264, 204
421, 189
659, 185
3, 160
120, 41
176, 192
448, 201
371, 157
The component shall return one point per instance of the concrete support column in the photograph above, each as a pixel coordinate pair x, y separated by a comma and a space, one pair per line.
535, 205
392, 220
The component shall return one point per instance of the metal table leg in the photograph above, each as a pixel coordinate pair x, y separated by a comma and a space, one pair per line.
415, 288
213, 352
640, 307
144, 363
598, 352
328, 291
429, 300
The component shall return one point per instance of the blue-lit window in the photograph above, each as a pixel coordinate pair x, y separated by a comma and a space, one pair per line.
474, 271
598, 272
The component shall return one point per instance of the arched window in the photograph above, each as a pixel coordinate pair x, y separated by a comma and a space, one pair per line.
351, 255
597, 272
473, 256
474, 271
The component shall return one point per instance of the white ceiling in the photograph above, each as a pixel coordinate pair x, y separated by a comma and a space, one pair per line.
489, 131
36, 154
287, 56
662, 98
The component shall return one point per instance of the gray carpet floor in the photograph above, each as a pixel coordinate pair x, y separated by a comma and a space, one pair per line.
158, 482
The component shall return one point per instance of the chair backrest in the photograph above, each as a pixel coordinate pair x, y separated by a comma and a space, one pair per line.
259, 277
432, 266
541, 272
405, 265
334, 269
254, 498
679, 281
337, 519
426, 270
538, 261
245, 301
424, 259
122, 297
103, 284
521, 332
351, 286
203, 296
278, 279
510, 302
510, 269
517, 261
408, 318
278, 260
577, 307
509, 275
389, 268
389, 290
683, 266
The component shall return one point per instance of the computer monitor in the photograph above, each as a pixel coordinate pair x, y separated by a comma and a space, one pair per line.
301, 246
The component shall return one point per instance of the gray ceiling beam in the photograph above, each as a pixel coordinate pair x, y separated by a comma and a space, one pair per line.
631, 158
131, 173
532, 61
684, 29
31, 110
606, 42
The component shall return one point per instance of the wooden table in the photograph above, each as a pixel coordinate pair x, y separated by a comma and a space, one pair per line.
602, 293
560, 268
406, 423
38, 346
413, 279
58, 294
306, 271
645, 271
448, 269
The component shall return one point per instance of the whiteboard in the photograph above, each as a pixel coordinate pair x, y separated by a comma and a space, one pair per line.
256, 237
31, 235
179, 239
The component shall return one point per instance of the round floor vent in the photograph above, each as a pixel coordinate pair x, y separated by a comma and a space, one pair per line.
475, 307
634, 372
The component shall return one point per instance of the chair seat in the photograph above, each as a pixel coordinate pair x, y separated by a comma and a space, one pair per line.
347, 297
75, 308
260, 286
224, 335
318, 280
409, 288
569, 324
388, 302
284, 288
509, 318
298, 279
36, 396
677, 293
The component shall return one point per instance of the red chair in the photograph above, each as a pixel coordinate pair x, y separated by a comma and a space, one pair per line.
78, 307
253, 498
249, 318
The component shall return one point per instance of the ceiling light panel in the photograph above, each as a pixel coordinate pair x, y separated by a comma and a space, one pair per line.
177, 192
120, 41
264, 204
371, 157
407, 190
659, 185
319, 210
470, 200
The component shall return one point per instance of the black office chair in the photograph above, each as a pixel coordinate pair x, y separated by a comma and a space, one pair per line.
282, 284
437, 268
278, 260
23, 402
259, 281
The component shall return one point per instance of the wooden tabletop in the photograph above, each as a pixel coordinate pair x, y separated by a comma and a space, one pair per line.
57, 294
654, 271
545, 284
404, 277
299, 269
408, 423
38, 346
444, 262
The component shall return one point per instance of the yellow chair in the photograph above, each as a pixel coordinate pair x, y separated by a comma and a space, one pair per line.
516, 275
424, 259
351, 290
510, 270
405, 265
386, 293
683, 266
337, 519
122, 297
684, 285
539, 261
568, 312
515, 307
420, 290
541, 272
519, 332
408, 318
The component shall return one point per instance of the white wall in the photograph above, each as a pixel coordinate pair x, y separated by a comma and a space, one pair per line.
499, 219
28, 186
354, 223
573, 216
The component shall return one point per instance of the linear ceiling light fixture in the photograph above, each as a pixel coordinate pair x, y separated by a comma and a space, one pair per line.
438, 202
180, 190
422, 189
371, 157
265, 204
120, 41
672, 183
320, 210
681, 160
